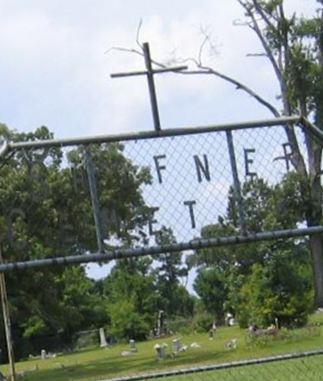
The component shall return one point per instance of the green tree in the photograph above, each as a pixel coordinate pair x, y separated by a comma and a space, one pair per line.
265, 208
280, 288
225, 271
127, 322
210, 286
45, 211
169, 269
294, 48
132, 298
123, 210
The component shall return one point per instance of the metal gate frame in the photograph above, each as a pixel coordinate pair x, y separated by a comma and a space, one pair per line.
103, 255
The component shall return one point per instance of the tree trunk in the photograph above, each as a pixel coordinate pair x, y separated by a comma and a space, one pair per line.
314, 218
316, 245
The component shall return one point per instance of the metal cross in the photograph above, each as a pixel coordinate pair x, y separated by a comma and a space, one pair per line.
149, 72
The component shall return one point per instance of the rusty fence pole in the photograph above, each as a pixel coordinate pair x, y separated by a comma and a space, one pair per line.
7, 322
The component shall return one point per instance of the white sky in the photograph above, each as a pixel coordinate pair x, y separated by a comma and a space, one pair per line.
54, 70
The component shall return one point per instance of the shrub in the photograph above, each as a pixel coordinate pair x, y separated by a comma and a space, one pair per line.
202, 322
126, 322
280, 288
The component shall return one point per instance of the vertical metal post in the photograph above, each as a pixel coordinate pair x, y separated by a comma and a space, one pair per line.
151, 86
7, 322
236, 182
94, 198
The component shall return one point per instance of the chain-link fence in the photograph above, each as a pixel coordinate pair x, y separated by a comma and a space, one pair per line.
102, 198
302, 366
113, 196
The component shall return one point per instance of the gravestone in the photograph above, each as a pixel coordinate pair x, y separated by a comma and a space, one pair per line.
160, 351
160, 323
232, 322
229, 319
176, 345
43, 354
103, 340
132, 344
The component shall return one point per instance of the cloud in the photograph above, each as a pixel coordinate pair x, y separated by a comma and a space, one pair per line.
55, 72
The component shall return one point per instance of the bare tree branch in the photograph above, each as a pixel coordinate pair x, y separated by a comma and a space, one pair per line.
201, 69
206, 70
138, 34
278, 66
265, 45
238, 22
130, 50
121, 49
263, 15
207, 41
239, 86
199, 59
257, 55
297, 158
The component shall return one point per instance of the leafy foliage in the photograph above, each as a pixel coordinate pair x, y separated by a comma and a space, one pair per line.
210, 285
45, 210
169, 270
279, 289
263, 281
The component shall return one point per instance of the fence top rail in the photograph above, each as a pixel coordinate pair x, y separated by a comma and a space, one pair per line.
12, 146
122, 253
208, 368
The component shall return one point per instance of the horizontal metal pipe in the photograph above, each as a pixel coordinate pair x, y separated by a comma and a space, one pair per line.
145, 72
4, 148
229, 365
156, 250
315, 131
152, 134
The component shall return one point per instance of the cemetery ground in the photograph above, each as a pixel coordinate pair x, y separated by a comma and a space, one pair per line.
93, 364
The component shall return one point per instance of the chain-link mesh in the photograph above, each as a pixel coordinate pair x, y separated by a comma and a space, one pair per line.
192, 175
122, 194
303, 366
203, 189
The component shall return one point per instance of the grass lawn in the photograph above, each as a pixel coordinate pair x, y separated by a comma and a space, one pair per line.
309, 369
96, 363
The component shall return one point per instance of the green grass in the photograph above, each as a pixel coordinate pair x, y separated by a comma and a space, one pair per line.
95, 364
310, 369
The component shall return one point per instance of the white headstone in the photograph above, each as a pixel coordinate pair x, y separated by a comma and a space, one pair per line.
176, 345
103, 340
163, 352
132, 344
232, 322
43, 354
160, 351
